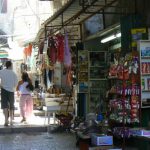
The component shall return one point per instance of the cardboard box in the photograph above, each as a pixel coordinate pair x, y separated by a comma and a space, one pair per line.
101, 140
139, 132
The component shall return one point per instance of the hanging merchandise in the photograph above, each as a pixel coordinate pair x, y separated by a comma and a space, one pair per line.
41, 46
45, 46
69, 77
67, 53
29, 49
52, 51
27, 52
60, 47
124, 104
23, 67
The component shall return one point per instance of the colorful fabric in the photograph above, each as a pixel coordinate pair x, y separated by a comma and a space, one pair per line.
52, 52
60, 47
67, 54
41, 47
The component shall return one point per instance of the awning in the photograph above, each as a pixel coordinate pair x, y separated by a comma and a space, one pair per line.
3, 39
73, 14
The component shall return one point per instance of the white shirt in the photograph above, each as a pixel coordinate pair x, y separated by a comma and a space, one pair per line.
23, 89
8, 80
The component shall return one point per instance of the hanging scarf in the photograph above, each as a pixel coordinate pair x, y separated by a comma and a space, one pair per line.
67, 54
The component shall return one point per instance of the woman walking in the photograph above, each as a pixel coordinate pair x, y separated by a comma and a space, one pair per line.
24, 89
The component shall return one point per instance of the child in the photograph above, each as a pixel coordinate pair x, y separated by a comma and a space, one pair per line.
24, 89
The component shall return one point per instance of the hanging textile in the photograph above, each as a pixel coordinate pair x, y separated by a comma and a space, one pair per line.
45, 77
45, 46
41, 47
60, 47
29, 49
52, 52
69, 77
25, 52
67, 54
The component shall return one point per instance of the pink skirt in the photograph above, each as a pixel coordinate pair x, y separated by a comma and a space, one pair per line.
26, 106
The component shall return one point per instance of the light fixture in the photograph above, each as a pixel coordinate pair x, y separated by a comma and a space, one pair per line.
109, 38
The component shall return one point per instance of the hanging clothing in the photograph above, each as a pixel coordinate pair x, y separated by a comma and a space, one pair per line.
52, 52
45, 78
67, 54
60, 47
69, 77
25, 52
50, 75
45, 46
29, 50
23, 67
41, 47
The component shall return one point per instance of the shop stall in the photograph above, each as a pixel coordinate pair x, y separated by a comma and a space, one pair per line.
105, 78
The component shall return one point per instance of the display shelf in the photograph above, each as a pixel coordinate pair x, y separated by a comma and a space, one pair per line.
82, 82
97, 79
145, 90
96, 66
146, 57
124, 98
144, 50
82, 71
145, 74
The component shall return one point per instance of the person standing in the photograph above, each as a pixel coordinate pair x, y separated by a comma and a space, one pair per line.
24, 90
8, 85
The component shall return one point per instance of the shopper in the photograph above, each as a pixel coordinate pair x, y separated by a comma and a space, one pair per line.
24, 90
8, 85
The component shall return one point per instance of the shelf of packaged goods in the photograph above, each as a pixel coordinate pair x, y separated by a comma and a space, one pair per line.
83, 71
82, 80
97, 79
145, 106
83, 92
145, 90
145, 57
112, 77
145, 74
95, 87
96, 66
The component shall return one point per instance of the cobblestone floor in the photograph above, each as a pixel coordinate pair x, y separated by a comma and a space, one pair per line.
38, 141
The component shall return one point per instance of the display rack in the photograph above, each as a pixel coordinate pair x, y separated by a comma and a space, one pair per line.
124, 102
83, 71
82, 76
144, 50
97, 80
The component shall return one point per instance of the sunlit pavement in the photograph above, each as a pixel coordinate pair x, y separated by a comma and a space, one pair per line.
37, 123
33, 135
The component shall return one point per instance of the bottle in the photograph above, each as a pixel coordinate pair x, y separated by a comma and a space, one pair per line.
148, 83
143, 84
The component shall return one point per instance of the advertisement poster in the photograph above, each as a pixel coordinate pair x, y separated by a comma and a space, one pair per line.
138, 34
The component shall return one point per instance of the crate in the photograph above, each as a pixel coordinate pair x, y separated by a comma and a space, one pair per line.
98, 140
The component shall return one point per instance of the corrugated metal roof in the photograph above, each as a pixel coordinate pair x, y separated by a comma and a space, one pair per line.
74, 13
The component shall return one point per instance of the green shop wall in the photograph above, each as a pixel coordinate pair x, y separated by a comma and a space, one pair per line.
145, 117
127, 23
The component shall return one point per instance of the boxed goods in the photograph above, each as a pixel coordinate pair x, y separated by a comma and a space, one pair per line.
97, 139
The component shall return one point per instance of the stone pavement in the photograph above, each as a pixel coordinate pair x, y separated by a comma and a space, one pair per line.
38, 141
36, 124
